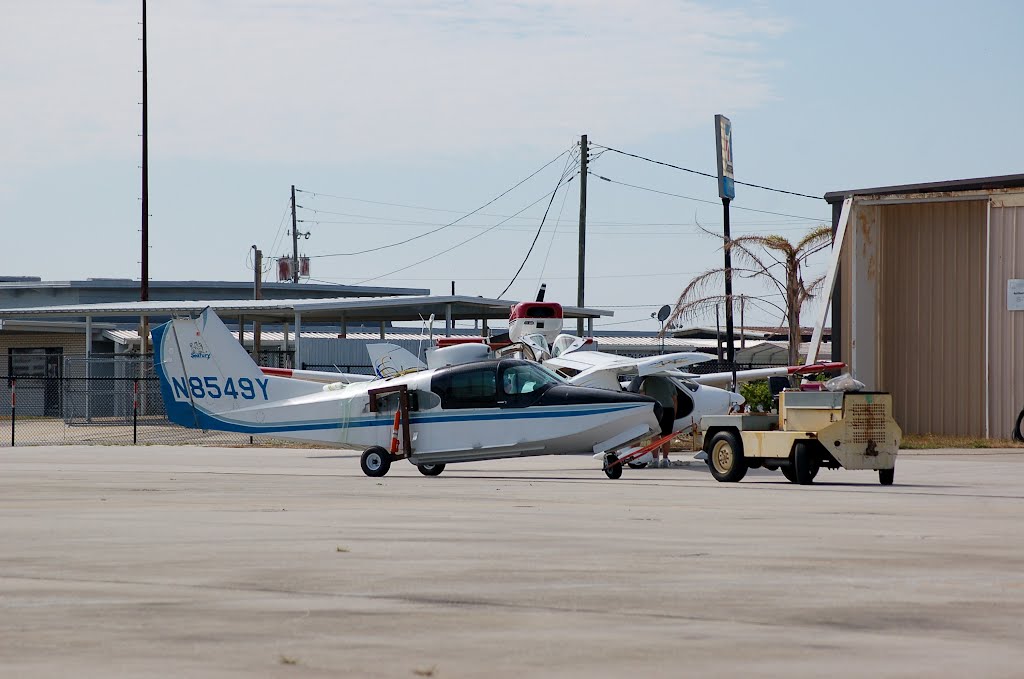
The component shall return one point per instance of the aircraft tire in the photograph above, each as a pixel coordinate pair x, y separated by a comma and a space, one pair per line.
725, 457
430, 469
375, 461
1018, 428
637, 465
611, 469
886, 476
805, 463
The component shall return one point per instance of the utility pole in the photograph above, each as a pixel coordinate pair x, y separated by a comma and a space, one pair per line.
257, 293
295, 241
144, 291
584, 153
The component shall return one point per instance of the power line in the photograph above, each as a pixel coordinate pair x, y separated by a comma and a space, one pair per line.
705, 174
565, 172
548, 278
554, 232
452, 223
709, 202
447, 250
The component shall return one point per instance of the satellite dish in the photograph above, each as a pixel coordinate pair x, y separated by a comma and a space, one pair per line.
664, 312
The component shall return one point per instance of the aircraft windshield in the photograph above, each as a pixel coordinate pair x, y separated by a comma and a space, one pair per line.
527, 378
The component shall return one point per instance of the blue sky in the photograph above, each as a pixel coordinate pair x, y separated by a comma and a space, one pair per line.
447, 104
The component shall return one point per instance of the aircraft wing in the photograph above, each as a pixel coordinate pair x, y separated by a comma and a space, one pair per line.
722, 379
602, 370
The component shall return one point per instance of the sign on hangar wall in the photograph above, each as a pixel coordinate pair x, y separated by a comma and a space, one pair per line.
1015, 294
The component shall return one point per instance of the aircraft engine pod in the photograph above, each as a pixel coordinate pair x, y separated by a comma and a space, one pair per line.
535, 318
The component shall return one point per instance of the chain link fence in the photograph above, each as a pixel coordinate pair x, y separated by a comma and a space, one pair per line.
112, 400
116, 400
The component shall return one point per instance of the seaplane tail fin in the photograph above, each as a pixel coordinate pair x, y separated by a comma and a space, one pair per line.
208, 380
390, 360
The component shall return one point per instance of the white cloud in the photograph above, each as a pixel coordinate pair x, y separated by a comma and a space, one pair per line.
322, 81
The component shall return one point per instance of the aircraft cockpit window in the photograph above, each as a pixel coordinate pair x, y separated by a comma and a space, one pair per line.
526, 378
691, 385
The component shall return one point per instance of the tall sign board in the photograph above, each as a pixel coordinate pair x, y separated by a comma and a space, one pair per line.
723, 140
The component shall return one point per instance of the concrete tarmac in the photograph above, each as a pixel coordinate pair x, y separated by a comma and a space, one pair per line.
218, 562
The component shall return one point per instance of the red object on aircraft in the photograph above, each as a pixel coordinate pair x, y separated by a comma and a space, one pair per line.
815, 368
536, 310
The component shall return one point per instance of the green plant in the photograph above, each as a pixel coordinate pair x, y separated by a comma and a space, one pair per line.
757, 395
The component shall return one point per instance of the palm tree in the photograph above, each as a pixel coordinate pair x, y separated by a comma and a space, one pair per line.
783, 274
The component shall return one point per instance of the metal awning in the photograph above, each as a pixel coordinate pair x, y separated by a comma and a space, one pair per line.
350, 310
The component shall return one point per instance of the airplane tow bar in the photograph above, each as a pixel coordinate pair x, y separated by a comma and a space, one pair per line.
613, 463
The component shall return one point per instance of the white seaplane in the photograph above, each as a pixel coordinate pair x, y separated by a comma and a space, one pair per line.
470, 411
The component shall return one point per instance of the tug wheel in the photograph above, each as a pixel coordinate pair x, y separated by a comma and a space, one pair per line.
375, 461
430, 469
788, 472
805, 463
612, 468
725, 457
886, 476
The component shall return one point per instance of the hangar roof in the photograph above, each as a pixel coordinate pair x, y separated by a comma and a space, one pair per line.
1009, 181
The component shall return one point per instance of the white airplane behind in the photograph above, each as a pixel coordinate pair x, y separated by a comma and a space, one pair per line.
480, 410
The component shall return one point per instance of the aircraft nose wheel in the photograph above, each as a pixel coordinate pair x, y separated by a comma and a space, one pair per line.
430, 469
375, 461
612, 468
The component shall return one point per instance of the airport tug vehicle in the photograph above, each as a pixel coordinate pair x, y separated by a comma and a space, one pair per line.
812, 429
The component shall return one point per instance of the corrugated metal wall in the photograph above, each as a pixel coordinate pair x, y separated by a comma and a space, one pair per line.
1006, 328
932, 315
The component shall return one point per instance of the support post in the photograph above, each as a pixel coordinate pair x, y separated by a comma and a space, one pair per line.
718, 333
284, 347
730, 349
344, 327
14, 406
88, 368
743, 324
582, 264
135, 412
448, 320
298, 339
257, 293
382, 329
241, 331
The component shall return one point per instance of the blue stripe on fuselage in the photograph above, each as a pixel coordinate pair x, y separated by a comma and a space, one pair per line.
210, 421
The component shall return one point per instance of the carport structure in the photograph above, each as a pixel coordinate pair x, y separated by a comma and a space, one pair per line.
293, 313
